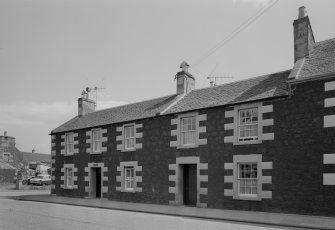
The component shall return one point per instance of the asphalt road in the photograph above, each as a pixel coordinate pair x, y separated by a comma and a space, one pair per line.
26, 215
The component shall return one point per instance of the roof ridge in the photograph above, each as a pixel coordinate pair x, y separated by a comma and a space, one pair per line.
133, 103
242, 80
327, 40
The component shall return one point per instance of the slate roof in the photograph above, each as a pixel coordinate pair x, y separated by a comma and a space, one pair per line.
267, 86
253, 89
36, 157
4, 165
321, 60
129, 112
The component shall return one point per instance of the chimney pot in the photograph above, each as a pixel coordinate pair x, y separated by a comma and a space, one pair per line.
302, 12
184, 66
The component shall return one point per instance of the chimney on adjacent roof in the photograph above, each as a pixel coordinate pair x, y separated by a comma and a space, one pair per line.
5, 134
303, 35
33, 151
185, 81
85, 105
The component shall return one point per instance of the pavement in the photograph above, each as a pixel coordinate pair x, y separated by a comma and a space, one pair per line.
264, 218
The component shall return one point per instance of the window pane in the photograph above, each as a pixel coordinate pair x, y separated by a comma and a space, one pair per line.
188, 130
248, 127
129, 178
247, 178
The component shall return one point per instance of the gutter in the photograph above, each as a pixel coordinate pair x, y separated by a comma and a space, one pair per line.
312, 78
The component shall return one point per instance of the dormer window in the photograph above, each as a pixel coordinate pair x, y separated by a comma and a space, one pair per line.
188, 130
248, 124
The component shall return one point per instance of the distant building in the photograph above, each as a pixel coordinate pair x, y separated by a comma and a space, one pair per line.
12, 158
8, 152
261, 144
33, 157
7, 173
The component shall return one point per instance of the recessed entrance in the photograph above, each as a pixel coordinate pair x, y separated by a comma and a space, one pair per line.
95, 188
189, 184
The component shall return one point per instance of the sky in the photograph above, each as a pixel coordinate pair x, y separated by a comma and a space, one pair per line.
52, 50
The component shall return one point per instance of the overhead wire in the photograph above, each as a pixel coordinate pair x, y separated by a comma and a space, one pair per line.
238, 30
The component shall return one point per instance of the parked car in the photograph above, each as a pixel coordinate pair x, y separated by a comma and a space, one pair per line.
40, 180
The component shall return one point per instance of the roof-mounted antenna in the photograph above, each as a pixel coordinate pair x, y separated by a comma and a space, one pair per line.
213, 82
95, 89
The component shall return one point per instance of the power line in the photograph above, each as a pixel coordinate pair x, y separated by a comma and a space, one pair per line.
235, 32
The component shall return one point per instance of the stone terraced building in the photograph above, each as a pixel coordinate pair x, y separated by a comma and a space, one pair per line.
262, 144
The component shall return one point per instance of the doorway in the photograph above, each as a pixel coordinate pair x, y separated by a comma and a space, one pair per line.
190, 184
95, 190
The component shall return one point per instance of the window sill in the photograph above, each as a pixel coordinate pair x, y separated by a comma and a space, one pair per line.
128, 191
252, 198
95, 152
68, 154
255, 142
187, 146
68, 188
128, 150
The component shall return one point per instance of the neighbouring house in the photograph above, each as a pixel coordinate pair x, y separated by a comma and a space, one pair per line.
40, 168
261, 144
33, 157
7, 172
11, 158
38, 163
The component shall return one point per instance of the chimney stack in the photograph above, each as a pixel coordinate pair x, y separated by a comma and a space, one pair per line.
85, 105
185, 81
303, 35
5, 134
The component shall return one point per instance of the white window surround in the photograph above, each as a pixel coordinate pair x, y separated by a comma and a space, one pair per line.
329, 178
121, 137
233, 179
261, 123
122, 177
329, 119
90, 141
96, 141
178, 132
251, 159
69, 144
64, 177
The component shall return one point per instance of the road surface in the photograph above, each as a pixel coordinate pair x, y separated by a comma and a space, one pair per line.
26, 215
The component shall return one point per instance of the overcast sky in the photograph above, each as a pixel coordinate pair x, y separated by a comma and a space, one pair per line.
51, 50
